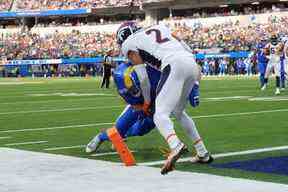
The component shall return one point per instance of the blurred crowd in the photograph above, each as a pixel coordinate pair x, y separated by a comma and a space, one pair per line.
27, 45
229, 66
5, 5
72, 4
230, 36
223, 38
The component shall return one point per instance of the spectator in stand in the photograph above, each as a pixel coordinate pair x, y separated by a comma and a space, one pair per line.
73, 4
5, 5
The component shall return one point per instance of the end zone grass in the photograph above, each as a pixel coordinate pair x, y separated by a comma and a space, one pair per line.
69, 112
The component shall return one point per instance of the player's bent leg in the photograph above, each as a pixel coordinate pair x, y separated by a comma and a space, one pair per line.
141, 127
202, 154
166, 100
168, 95
127, 118
277, 68
95, 143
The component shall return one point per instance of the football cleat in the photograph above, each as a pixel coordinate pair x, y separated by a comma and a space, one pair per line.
206, 159
172, 158
263, 88
277, 92
93, 145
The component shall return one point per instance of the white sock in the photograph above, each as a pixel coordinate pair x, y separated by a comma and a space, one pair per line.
166, 129
190, 127
200, 148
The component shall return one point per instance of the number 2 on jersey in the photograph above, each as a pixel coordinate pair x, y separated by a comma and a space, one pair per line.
159, 38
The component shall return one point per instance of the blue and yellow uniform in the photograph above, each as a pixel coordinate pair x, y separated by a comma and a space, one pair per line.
133, 121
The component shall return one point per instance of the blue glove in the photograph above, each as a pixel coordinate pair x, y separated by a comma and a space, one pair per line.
194, 96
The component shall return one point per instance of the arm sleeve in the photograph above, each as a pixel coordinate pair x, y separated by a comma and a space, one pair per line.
144, 81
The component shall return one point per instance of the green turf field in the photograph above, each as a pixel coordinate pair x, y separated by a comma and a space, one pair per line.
61, 115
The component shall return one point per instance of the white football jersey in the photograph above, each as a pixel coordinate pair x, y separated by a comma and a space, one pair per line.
155, 45
274, 49
286, 50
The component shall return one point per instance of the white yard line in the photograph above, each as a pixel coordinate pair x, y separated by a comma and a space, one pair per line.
194, 117
5, 137
240, 114
107, 153
60, 110
25, 143
61, 148
55, 100
53, 128
221, 155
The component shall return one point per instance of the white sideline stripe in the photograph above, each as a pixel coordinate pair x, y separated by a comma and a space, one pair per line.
20, 83
194, 117
107, 153
60, 110
221, 155
55, 100
79, 173
52, 128
26, 143
5, 137
60, 148
242, 113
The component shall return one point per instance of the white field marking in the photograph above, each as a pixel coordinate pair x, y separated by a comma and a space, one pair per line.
107, 153
226, 98
240, 114
92, 99
194, 117
5, 137
20, 83
26, 143
221, 155
269, 99
53, 128
60, 148
60, 110
69, 94
55, 100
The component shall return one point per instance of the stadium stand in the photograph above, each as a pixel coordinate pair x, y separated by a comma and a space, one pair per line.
5, 5
72, 4
217, 30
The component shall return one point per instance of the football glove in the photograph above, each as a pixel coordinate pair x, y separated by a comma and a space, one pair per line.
194, 96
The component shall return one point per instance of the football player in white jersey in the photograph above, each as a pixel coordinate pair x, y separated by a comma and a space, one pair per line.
275, 48
158, 47
285, 63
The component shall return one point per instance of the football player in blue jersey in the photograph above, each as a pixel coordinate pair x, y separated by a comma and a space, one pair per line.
134, 121
262, 61
159, 47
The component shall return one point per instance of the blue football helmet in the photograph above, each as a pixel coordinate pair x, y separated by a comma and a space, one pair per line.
128, 84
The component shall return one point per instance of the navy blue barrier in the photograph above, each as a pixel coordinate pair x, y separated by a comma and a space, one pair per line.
43, 13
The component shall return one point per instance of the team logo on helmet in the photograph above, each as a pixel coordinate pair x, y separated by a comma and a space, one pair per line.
125, 30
